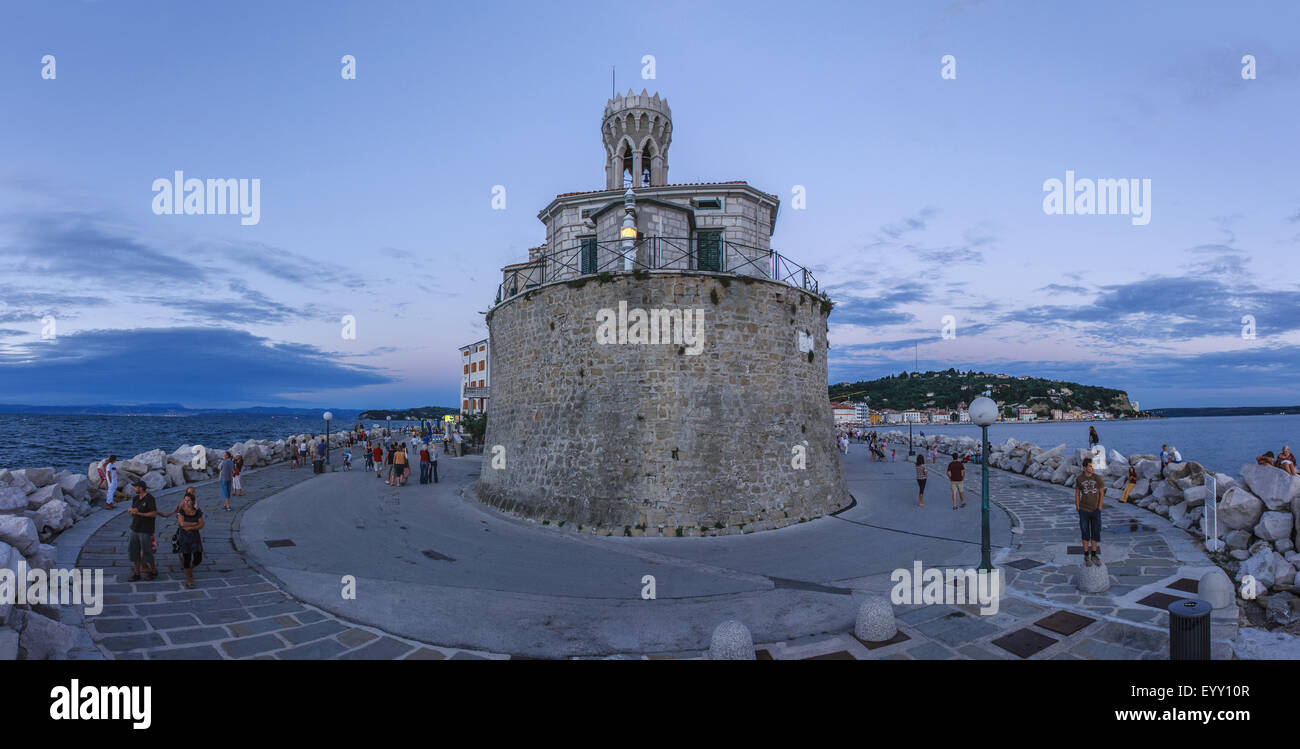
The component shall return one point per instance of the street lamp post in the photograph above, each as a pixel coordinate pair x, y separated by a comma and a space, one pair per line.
984, 411
328, 418
909, 438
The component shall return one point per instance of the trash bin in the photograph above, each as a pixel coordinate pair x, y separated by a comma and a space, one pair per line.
318, 466
1189, 630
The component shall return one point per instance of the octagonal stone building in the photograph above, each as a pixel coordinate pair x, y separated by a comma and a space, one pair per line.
657, 368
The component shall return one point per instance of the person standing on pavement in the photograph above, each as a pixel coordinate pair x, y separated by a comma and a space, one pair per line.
110, 476
956, 479
189, 544
433, 470
376, 458
920, 479
1089, 491
143, 510
424, 464
227, 478
236, 483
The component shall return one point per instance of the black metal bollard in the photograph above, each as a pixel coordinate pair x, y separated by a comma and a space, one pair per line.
1189, 630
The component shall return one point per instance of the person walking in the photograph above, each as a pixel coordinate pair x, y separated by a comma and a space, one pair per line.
424, 464
433, 466
188, 543
139, 547
110, 481
956, 481
236, 483
388, 459
293, 455
227, 477
1089, 492
920, 479
400, 466
1129, 483
302, 454
376, 458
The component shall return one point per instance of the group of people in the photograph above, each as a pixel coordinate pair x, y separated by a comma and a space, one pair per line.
1284, 460
395, 455
956, 472
187, 542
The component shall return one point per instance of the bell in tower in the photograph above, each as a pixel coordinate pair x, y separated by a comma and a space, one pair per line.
637, 130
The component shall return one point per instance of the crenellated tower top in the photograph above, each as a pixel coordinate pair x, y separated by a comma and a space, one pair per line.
637, 130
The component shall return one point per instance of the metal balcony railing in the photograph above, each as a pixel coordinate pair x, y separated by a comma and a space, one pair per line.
585, 257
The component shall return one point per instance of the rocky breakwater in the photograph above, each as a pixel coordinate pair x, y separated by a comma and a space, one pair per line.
1258, 517
37, 504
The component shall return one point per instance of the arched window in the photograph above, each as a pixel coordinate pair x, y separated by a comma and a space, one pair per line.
627, 165
647, 156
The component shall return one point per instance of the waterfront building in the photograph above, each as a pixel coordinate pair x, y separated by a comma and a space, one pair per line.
474, 381
654, 318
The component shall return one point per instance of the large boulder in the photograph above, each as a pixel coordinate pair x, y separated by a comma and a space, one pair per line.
18, 480
182, 455
1239, 509
43, 496
74, 485
1147, 469
154, 460
38, 476
1272, 485
1238, 539
12, 499
41, 638
1260, 566
1195, 496
1140, 489
1274, 525
1176, 471
175, 474
192, 475
54, 516
19, 532
156, 481
132, 466
1167, 493
254, 456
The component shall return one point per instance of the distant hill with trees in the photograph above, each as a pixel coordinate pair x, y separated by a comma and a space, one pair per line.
434, 413
948, 388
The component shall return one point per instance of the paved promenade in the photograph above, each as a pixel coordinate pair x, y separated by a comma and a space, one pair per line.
438, 576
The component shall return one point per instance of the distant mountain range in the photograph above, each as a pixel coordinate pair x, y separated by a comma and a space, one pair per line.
168, 409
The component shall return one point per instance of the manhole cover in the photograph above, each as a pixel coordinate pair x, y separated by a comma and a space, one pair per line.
1064, 622
1025, 564
1187, 585
435, 556
899, 637
277, 543
1160, 600
839, 655
1024, 642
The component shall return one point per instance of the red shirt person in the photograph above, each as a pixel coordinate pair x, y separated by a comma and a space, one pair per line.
956, 476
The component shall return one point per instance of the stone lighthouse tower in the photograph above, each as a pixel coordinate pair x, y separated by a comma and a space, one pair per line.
637, 130
657, 367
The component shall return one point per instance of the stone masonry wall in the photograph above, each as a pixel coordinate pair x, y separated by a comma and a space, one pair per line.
645, 439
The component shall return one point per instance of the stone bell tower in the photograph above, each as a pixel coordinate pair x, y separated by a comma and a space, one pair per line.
637, 130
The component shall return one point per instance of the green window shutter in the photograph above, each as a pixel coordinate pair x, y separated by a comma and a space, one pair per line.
708, 247
588, 255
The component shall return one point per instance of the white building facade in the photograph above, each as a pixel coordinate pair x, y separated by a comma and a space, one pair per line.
474, 381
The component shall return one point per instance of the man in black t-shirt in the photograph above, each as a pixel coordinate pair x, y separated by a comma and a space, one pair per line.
143, 510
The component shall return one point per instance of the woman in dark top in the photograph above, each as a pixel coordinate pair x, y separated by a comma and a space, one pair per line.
920, 479
189, 544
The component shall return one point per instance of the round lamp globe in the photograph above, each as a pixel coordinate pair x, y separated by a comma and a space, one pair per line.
329, 416
983, 411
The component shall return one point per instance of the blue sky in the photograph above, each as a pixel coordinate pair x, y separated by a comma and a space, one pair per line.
924, 195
